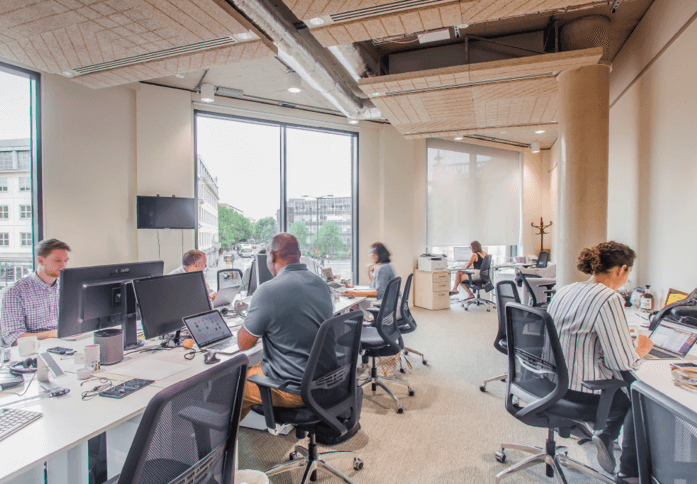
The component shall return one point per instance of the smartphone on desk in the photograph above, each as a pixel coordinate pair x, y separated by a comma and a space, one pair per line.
684, 364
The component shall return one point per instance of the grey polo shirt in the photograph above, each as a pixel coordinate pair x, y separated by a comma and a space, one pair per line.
286, 312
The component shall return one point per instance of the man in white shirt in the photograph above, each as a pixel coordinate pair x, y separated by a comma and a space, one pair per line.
192, 261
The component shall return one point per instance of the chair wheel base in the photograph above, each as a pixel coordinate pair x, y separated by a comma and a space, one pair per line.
411, 392
500, 456
357, 464
400, 409
406, 352
482, 388
424, 362
402, 370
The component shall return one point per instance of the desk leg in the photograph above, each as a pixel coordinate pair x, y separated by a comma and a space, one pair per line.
32, 476
118, 443
70, 466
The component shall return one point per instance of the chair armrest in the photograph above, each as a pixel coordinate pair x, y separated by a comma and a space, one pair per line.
265, 385
373, 310
607, 393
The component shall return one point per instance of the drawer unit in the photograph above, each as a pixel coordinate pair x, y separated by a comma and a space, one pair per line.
431, 289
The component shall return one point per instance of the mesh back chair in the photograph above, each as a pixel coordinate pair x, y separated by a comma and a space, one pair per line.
229, 278
483, 283
384, 339
538, 376
406, 322
666, 436
330, 393
538, 289
542, 260
506, 292
189, 430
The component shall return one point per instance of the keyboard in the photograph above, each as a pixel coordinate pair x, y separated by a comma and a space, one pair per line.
334, 285
12, 419
125, 388
662, 354
227, 346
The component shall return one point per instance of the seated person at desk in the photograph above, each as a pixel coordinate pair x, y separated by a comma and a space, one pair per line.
286, 312
192, 261
31, 305
594, 335
475, 263
379, 274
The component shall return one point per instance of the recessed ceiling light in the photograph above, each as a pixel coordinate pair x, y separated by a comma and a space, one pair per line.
317, 21
463, 26
535, 147
353, 121
179, 76
294, 90
458, 138
503, 132
294, 82
68, 73
245, 36
539, 131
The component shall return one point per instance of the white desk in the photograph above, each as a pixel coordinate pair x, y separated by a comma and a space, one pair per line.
60, 437
344, 304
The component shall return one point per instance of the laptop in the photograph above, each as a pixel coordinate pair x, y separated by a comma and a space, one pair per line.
672, 340
211, 333
225, 296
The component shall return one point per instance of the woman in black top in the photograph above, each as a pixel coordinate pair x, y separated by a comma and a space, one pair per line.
475, 262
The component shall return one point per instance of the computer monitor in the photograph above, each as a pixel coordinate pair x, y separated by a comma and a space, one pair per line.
462, 253
98, 297
164, 301
259, 273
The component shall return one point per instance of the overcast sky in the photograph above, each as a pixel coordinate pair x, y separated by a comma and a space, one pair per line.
14, 106
246, 159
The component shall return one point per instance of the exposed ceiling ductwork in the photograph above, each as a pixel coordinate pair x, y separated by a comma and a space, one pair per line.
301, 54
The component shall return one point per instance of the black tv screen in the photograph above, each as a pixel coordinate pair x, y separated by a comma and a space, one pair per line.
166, 213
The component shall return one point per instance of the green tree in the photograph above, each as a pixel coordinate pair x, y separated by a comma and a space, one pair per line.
299, 230
233, 227
264, 229
329, 239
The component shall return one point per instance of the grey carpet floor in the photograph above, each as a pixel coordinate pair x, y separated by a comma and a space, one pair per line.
449, 430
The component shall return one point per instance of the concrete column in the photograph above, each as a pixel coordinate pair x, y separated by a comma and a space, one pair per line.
584, 97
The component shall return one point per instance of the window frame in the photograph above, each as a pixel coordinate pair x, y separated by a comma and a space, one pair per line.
4, 239
282, 125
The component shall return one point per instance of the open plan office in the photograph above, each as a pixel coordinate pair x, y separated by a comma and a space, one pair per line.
296, 241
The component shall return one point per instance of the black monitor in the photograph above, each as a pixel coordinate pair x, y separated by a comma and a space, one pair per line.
97, 297
164, 301
259, 274
166, 213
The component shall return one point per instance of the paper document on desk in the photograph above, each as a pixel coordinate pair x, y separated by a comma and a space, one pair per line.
149, 369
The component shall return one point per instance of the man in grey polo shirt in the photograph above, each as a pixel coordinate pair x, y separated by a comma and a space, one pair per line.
286, 313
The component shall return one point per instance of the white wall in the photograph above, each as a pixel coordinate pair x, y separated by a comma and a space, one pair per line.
536, 201
653, 148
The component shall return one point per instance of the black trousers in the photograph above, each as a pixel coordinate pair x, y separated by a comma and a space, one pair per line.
620, 415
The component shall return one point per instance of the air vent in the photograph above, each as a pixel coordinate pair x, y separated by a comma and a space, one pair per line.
157, 55
385, 9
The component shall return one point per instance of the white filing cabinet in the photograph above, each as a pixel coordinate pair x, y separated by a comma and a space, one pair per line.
431, 289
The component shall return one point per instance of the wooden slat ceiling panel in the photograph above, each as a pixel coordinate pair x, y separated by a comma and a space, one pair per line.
410, 19
516, 134
57, 36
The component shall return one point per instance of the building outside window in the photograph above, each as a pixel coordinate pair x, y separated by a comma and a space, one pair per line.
26, 238
25, 211
4, 239
4, 211
24, 184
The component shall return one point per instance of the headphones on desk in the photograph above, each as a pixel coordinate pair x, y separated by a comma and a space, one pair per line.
26, 366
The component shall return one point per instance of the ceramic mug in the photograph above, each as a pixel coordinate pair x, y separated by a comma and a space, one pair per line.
28, 345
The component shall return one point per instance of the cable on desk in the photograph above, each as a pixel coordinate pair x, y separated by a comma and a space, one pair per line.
28, 385
105, 384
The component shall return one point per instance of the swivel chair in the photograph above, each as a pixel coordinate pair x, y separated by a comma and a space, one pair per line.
229, 278
384, 339
538, 376
206, 406
666, 437
539, 290
405, 321
329, 392
477, 285
506, 291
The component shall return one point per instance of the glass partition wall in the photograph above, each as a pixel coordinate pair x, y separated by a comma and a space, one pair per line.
256, 178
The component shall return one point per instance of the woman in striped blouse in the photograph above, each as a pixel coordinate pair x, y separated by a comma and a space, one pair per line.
594, 336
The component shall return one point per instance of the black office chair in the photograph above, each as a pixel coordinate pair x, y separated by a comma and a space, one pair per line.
189, 430
483, 283
666, 437
406, 322
538, 376
539, 290
506, 291
384, 339
331, 395
229, 278
542, 260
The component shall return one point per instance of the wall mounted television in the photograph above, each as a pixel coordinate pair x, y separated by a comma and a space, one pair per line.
166, 213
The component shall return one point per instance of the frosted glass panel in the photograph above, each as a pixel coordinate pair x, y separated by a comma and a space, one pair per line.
474, 193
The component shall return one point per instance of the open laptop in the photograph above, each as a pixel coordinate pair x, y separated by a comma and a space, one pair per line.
672, 341
225, 296
211, 333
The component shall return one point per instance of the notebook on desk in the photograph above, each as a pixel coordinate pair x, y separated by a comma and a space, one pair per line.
672, 341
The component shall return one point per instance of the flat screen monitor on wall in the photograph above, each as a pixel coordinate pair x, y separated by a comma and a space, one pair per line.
166, 213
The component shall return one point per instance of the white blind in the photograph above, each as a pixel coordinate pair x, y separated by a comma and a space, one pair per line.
473, 193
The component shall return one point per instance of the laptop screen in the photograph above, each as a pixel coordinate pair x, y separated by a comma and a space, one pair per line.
207, 328
674, 337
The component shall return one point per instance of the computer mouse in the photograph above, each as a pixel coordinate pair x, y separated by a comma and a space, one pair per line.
210, 359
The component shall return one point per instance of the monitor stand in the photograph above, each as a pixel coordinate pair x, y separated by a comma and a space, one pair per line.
128, 326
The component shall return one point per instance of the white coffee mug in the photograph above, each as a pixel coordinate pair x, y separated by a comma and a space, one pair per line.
27, 345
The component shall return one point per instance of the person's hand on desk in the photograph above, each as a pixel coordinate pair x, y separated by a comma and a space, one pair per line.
643, 345
43, 335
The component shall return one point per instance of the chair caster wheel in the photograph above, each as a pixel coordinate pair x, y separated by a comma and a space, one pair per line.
424, 362
482, 388
405, 352
466, 309
411, 392
402, 370
357, 464
293, 455
500, 456
400, 409
488, 310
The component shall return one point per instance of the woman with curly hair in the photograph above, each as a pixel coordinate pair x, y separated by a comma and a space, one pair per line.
594, 335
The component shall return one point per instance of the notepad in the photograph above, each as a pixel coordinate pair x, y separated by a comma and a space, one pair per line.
149, 369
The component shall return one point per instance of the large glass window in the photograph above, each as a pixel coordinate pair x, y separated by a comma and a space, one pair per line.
19, 173
267, 177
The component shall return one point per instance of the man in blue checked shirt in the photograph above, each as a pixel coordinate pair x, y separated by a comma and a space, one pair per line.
31, 305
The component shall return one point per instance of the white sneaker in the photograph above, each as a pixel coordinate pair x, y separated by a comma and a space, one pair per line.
606, 457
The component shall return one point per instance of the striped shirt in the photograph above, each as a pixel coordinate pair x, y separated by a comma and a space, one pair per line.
30, 306
593, 333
